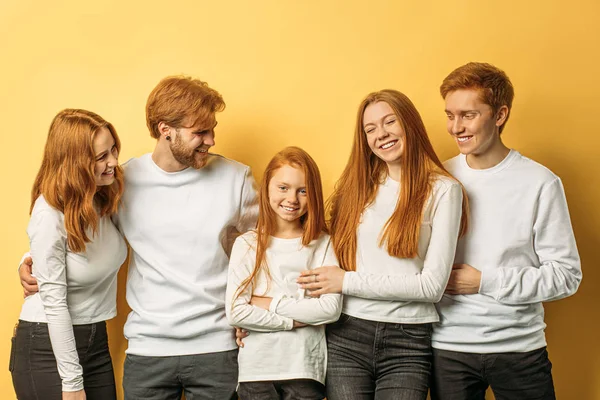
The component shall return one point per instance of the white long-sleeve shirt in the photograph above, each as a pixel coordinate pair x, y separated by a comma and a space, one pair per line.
74, 288
179, 226
522, 242
273, 351
403, 290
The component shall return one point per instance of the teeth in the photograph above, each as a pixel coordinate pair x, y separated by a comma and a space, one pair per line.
289, 208
388, 145
464, 138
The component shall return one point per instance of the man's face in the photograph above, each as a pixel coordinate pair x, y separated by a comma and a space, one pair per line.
190, 144
471, 122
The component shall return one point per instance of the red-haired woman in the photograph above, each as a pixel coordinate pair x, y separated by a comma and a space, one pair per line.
285, 355
60, 348
395, 218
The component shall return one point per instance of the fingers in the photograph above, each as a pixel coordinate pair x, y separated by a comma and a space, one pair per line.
307, 279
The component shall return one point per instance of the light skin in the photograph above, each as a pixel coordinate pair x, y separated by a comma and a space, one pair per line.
179, 148
386, 139
476, 129
106, 154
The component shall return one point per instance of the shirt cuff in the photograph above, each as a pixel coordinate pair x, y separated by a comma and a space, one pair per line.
73, 385
275, 302
490, 282
347, 283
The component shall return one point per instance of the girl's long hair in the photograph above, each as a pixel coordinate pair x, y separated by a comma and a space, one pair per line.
364, 172
66, 178
313, 221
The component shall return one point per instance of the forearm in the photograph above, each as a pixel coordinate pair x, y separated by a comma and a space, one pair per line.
244, 315
418, 287
311, 311
527, 285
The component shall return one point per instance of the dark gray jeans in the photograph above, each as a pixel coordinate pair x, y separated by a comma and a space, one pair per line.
33, 365
291, 389
512, 376
377, 360
199, 376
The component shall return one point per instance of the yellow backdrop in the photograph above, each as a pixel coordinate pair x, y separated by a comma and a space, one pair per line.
293, 72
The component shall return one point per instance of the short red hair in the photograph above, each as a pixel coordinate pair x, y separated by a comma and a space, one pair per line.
494, 86
178, 100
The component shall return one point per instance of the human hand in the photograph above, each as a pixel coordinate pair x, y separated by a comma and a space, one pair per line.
464, 279
78, 395
28, 282
322, 280
240, 334
261, 302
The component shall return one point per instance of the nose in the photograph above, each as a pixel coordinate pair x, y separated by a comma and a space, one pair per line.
113, 159
292, 197
382, 133
457, 126
209, 138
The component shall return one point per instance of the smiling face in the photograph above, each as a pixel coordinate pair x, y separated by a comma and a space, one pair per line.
384, 134
473, 124
106, 153
287, 197
190, 145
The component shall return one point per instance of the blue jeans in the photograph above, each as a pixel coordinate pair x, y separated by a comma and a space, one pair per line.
200, 376
33, 365
512, 376
377, 360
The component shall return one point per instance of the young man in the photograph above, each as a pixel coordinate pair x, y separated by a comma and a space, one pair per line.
519, 252
180, 211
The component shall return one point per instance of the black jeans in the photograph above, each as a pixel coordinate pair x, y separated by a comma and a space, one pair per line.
512, 376
291, 389
33, 365
377, 360
205, 376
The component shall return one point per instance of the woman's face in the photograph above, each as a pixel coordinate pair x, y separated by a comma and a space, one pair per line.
384, 133
105, 150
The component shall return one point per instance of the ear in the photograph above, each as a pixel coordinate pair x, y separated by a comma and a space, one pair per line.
501, 115
164, 129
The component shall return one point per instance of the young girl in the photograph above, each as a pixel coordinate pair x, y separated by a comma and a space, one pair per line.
60, 348
284, 357
396, 216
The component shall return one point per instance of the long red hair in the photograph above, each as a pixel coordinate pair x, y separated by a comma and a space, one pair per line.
66, 178
313, 221
364, 172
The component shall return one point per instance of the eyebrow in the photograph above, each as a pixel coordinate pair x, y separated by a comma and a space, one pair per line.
463, 112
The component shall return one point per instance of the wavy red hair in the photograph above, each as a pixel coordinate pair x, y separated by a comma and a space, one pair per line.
364, 172
66, 177
313, 222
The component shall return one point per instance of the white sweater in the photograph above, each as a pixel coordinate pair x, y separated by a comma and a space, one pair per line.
273, 351
179, 226
403, 290
522, 242
75, 288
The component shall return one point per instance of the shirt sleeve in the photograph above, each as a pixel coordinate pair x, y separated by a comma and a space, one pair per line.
430, 283
248, 214
312, 311
239, 311
559, 273
48, 243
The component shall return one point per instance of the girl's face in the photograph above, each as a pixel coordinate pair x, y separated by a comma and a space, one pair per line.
106, 153
384, 133
287, 196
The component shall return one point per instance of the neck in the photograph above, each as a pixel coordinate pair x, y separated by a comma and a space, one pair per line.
163, 157
288, 229
394, 171
490, 158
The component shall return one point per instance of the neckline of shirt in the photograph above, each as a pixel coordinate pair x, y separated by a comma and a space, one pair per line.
512, 155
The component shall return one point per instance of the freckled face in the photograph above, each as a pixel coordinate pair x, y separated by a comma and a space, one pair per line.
287, 195
107, 155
